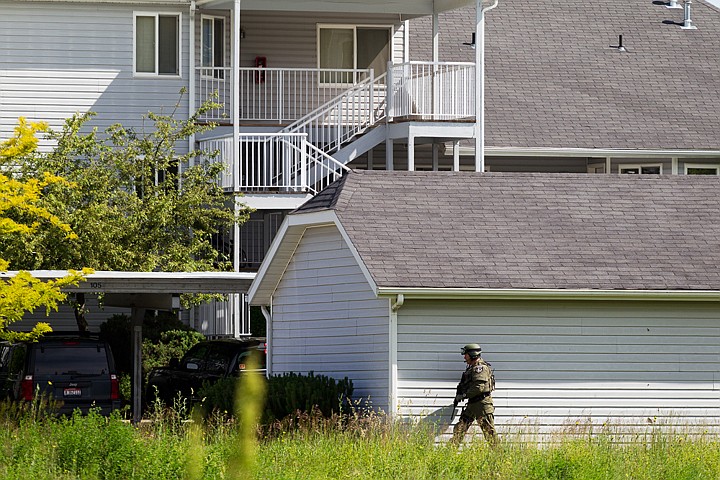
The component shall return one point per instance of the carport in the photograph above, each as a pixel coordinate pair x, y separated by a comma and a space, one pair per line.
141, 291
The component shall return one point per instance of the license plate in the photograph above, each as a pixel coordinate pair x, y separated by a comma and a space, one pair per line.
72, 392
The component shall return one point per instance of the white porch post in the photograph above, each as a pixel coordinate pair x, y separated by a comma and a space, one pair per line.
480, 84
435, 59
236, 127
456, 156
411, 152
191, 82
389, 161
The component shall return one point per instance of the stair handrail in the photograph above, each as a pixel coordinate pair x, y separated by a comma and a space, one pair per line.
369, 84
339, 170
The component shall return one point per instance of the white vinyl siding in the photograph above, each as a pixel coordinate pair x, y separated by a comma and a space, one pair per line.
327, 320
63, 320
561, 362
59, 59
290, 39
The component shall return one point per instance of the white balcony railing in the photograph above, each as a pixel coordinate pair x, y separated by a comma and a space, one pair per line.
420, 90
431, 90
273, 162
280, 95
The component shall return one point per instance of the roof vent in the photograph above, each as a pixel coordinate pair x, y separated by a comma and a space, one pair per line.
673, 4
620, 46
688, 23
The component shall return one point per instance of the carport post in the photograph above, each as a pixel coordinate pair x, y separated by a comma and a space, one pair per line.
138, 314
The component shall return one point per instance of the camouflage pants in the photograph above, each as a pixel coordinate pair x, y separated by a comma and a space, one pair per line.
482, 411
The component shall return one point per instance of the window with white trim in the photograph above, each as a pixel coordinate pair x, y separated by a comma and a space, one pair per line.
655, 169
702, 169
212, 50
352, 47
157, 44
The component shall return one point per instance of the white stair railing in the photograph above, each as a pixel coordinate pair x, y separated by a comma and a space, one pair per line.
273, 162
344, 117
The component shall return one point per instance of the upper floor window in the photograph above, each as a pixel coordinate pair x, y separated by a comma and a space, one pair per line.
701, 169
157, 43
212, 56
641, 169
352, 47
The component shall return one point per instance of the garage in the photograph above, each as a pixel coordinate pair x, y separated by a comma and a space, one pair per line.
596, 298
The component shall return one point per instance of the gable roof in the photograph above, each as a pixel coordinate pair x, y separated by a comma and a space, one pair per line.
530, 231
555, 77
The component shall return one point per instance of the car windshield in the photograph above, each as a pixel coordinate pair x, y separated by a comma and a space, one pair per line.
76, 360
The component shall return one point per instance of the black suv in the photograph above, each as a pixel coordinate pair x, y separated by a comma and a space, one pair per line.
205, 362
75, 371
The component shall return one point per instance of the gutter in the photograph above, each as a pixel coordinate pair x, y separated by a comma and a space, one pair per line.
547, 294
583, 152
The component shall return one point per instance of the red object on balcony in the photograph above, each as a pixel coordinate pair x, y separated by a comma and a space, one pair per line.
260, 62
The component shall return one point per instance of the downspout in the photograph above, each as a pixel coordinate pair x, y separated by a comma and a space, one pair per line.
191, 80
480, 84
268, 338
392, 344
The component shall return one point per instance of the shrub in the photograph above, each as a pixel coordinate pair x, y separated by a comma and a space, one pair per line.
171, 344
164, 337
286, 394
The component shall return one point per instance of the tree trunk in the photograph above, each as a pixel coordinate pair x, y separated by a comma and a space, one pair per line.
79, 310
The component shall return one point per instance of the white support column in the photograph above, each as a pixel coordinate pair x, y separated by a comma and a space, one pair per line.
411, 153
608, 164
435, 39
675, 167
236, 94
480, 83
191, 83
370, 159
435, 163
389, 162
236, 140
456, 156
479, 87
435, 59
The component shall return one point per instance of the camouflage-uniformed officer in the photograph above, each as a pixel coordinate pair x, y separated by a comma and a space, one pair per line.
475, 385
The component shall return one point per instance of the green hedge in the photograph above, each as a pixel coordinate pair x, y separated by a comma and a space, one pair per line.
286, 394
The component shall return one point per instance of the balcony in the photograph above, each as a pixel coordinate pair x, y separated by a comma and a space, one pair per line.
425, 91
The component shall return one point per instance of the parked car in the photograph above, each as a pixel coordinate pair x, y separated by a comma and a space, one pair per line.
75, 371
205, 362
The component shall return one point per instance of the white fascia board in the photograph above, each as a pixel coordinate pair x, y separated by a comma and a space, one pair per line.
584, 152
150, 282
549, 294
279, 201
402, 7
180, 3
296, 224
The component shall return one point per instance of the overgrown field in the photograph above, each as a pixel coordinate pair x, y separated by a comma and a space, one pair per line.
310, 447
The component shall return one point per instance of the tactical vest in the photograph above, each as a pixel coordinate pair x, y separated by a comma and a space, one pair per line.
489, 386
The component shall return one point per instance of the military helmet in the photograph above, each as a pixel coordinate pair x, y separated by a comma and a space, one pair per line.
472, 349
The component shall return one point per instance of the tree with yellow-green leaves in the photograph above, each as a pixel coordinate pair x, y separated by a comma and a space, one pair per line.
21, 215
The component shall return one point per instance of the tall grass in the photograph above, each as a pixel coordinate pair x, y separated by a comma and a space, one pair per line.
307, 446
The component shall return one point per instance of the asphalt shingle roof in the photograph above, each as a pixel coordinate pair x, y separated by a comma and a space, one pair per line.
495, 230
555, 79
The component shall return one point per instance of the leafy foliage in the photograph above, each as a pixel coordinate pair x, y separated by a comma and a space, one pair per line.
164, 337
133, 200
22, 215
